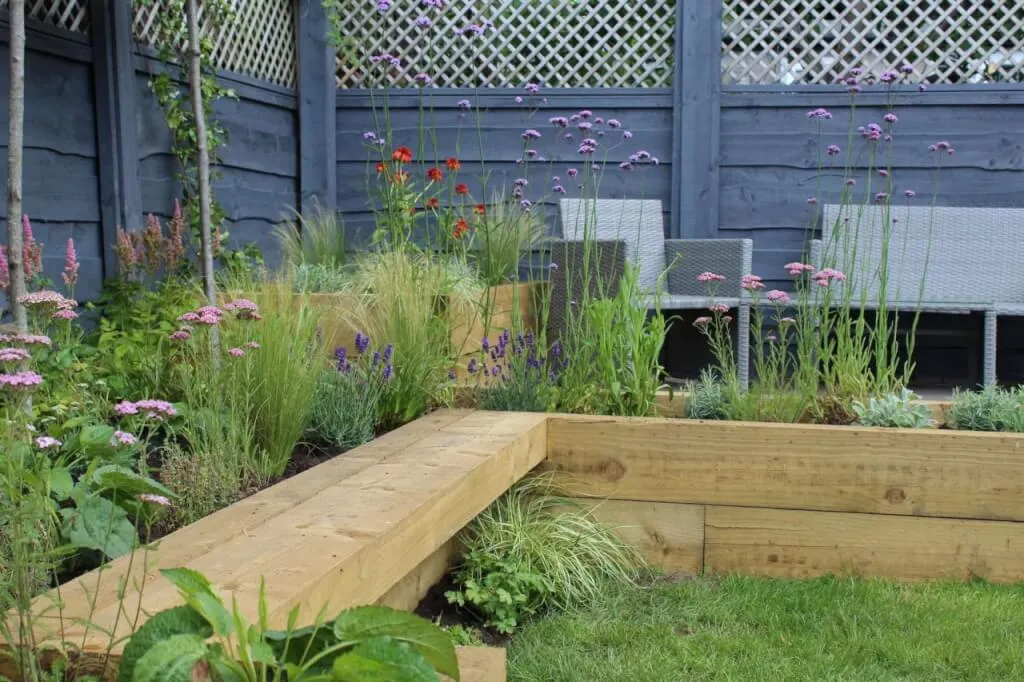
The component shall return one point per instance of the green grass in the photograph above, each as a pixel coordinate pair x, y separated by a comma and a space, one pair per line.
755, 629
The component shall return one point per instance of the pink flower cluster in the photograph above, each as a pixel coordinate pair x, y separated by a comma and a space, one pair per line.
208, 315
71, 265
20, 381
183, 334
13, 354
236, 352
47, 298
244, 309
123, 438
777, 296
152, 409
32, 251
796, 268
826, 276
752, 283
710, 277
46, 442
158, 500
718, 308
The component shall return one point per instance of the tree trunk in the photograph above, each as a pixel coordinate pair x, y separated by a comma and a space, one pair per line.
203, 153
15, 142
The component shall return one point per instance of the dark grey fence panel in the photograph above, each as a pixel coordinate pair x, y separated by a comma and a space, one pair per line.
258, 169
60, 180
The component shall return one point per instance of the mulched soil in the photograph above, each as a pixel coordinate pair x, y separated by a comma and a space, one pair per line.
435, 607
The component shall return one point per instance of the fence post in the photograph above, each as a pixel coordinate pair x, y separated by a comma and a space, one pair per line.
315, 89
696, 113
114, 87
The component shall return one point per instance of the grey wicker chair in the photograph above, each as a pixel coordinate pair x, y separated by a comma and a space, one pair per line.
639, 223
601, 270
953, 260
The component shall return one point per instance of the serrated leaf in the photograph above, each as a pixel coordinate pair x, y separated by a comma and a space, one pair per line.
97, 523
60, 483
295, 646
198, 593
126, 483
383, 660
94, 440
180, 620
174, 659
362, 624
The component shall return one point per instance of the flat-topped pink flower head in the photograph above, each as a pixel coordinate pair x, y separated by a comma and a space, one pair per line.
702, 322
718, 308
151, 409
180, 335
31, 339
826, 276
20, 381
710, 277
236, 352
47, 443
778, 296
797, 268
39, 299
123, 439
752, 283
65, 314
14, 355
244, 309
149, 498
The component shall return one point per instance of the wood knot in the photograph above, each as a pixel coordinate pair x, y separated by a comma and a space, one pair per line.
612, 470
895, 495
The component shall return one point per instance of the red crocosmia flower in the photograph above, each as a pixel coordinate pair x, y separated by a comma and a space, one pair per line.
479, 209
402, 155
400, 177
461, 228
433, 202
453, 164
380, 167
461, 189
435, 175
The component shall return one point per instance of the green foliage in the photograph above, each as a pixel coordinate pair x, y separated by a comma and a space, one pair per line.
98, 524
345, 407
317, 240
361, 645
316, 278
531, 550
503, 236
204, 479
464, 636
894, 410
707, 398
528, 380
991, 409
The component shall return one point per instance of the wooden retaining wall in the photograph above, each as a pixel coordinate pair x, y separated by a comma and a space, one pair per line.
800, 501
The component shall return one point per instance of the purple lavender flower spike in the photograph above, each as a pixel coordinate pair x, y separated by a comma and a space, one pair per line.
388, 373
388, 352
362, 342
485, 344
471, 367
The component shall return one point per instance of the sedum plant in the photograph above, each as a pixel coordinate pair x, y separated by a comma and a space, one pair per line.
991, 409
896, 410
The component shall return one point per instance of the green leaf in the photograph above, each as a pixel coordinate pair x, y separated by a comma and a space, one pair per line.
359, 625
97, 523
383, 660
296, 646
178, 658
198, 593
94, 440
61, 483
181, 620
126, 483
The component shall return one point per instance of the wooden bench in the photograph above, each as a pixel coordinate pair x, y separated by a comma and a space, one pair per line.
943, 259
370, 526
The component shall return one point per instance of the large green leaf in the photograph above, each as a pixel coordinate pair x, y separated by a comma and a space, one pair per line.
198, 593
365, 623
383, 660
297, 646
126, 483
180, 620
94, 440
178, 658
97, 523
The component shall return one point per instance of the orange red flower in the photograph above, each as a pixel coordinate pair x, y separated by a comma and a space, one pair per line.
433, 203
435, 175
402, 155
461, 188
400, 177
479, 209
461, 228
380, 167
453, 163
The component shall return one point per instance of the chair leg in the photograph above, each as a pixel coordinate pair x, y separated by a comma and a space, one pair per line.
990, 347
743, 345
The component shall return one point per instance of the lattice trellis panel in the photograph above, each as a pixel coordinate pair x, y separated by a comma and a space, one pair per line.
259, 41
555, 43
816, 41
70, 15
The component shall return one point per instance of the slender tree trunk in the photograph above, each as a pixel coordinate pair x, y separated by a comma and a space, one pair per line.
205, 228
15, 142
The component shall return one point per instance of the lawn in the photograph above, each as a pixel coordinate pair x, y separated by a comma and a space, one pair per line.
741, 628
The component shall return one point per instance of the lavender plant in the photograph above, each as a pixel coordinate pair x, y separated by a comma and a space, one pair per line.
513, 375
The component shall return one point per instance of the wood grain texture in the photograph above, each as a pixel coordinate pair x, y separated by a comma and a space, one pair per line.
804, 544
923, 472
410, 590
669, 536
352, 541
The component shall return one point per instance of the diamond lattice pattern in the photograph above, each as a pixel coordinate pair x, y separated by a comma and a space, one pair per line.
259, 41
816, 41
556, 43
70, 15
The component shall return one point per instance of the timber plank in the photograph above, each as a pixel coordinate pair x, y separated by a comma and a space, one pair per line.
804, 544
197, 539
353, 541
407, 594
669, 536
917, 472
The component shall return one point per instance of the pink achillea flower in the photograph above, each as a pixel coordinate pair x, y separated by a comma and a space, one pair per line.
123, 438
46, 442
236, 352
20, 381
826, 276
702, 321
31, 339
752, 283
252, 344
153, 409
787, 320
71, 265
158, 500
65, 314
796, 268
47, 298
777, 296
244, 309
180, 335
710, 277
718, 308
14, 355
